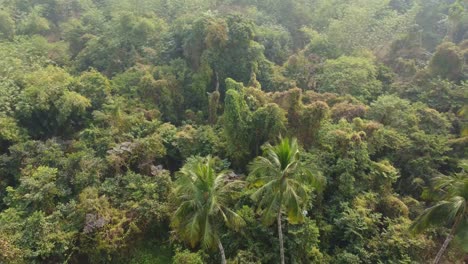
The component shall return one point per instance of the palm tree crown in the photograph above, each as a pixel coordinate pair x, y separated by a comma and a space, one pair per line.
202, 196
283, 181
453, 205
451, 209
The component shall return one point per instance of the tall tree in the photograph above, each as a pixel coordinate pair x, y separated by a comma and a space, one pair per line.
202, 196
356, 76
237, 123
284, 184
452, 208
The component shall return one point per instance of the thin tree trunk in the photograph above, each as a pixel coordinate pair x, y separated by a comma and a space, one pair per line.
217, 82
221, 251
442, 249
447, 241
256, 143
280, 235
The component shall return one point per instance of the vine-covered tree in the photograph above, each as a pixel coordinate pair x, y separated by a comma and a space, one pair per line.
106, 107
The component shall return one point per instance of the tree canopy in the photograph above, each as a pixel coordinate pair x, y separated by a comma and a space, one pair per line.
233, 131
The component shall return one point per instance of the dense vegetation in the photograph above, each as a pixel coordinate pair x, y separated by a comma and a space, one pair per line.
233, 131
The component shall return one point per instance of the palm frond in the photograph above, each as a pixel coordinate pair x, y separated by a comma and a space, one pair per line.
292, 202
192, 230
282, 180
268, 188
202, 195
231, 218
209, 236
312, 178
270, 211
264, 167
462, 235
441, 213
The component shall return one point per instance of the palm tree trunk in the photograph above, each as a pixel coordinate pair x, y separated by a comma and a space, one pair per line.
280, 236
442, 249
221, 251
447, 241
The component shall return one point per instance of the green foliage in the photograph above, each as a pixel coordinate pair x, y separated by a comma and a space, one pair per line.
237, 121
108, 106
148, 254
21, 57
302, 69
213, 105
196, 95
361, 24
119, 46
346, 159
47, 106
320, 45
276, 40
362, 226
94, 86
9, 131
143, 196
312, 117
356, 76
451, 208
202, 198
202, 140
440, 94
10, 253
137, 154
33, 24
38, 237
447, 62
38, 190
282, 181
392, 111
7, 25
305, 241
186, 257
268, 122
107, 230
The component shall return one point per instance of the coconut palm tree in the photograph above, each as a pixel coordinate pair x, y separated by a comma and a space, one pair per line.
202, 198
284, 184
451, 209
